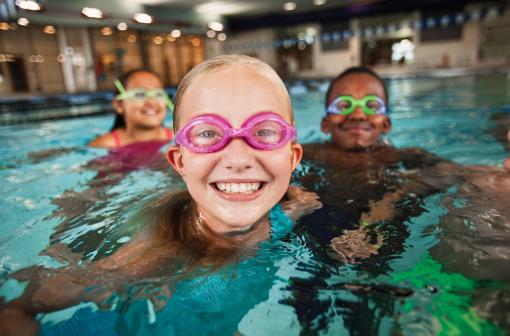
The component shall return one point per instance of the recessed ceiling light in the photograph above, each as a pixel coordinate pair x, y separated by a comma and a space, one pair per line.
49, 30
176, 33
106, 31
122, 26
23, 21
222, 36
215, 26
131, 38
211, 33
4, 26
195, 42
93, 13
319, 2
29, 5
143, 18
289, 6
157, 40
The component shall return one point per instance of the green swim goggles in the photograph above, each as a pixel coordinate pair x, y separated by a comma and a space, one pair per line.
140, 94
344, 105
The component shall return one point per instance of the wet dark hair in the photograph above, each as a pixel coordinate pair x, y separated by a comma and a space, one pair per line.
352, 71
119, 121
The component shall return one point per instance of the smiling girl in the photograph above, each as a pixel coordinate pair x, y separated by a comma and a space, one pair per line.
140, 106
235, 150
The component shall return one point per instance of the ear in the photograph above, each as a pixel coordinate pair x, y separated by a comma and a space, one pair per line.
174, 157
325, 126
117, 105
296, 154
386, 125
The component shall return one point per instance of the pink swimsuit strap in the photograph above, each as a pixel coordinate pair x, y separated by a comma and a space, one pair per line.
115, 135
169, 134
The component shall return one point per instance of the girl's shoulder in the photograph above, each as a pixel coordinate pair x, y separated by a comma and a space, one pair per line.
107, 140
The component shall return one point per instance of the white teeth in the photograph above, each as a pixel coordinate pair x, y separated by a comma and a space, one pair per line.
242, 188
150, 111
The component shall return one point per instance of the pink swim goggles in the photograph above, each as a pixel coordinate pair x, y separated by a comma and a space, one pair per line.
210, 133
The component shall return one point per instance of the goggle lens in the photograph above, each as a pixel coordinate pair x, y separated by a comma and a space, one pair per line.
375, 106
267, 132
205, 135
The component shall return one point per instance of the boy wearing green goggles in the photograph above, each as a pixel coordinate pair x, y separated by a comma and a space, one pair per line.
356, 113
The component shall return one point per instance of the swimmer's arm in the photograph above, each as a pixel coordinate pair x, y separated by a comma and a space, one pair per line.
383, 209
49, 291
300, 202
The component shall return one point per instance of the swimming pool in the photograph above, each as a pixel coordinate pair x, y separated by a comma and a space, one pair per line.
56, 195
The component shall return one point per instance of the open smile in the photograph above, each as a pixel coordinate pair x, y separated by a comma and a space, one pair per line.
239, 191
150, 112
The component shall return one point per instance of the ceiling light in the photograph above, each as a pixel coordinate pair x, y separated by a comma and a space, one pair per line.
215, 26
289, 6
29, 5
222, 36
131, 38
4, 26
319, 2
49, 30
143, 18
122, 26
93, 13
195, 42
23, 21
170, 38
106, 31
176, 33
211, 33
157, 40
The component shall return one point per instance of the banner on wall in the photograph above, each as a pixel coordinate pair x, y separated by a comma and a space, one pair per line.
441, 21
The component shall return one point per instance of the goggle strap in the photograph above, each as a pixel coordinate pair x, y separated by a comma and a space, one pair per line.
169, 103
119, 87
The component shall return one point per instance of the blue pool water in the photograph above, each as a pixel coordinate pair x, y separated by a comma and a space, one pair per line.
50, 194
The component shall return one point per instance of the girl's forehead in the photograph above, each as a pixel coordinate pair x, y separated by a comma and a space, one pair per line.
143, 80
235, 94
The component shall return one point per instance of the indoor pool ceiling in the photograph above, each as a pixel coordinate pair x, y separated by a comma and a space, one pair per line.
193, 15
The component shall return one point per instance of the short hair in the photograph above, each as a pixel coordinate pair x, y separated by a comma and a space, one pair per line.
352, 71
220, 63
119, 121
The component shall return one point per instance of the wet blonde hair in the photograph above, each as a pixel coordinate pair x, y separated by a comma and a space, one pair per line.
220, 63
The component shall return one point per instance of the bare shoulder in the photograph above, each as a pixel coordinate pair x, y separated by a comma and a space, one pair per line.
103, 141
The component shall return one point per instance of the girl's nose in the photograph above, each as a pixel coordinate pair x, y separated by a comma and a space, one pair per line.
238, 155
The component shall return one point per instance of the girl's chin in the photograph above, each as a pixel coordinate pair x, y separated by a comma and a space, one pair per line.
236, 222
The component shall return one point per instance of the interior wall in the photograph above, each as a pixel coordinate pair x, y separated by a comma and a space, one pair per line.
39, 52
244, 43
455, 53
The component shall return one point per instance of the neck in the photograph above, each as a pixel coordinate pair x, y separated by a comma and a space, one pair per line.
144, 134
368, 149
